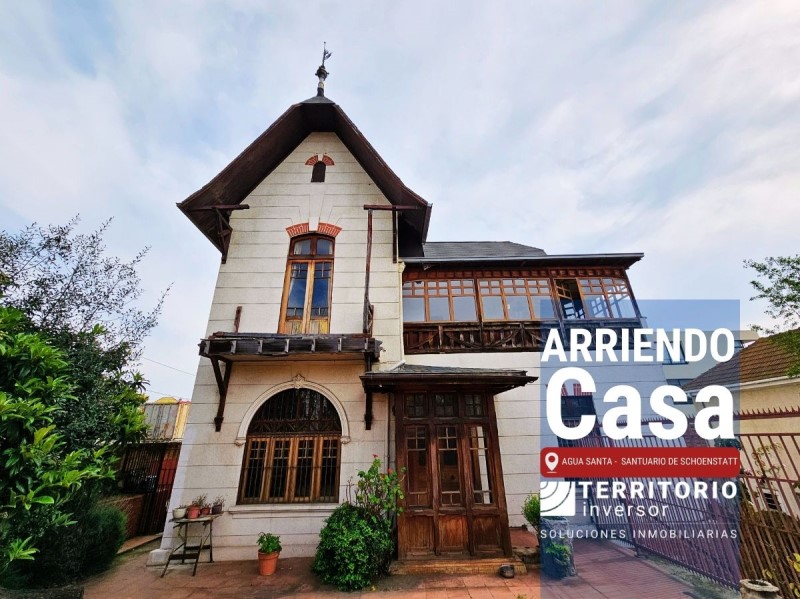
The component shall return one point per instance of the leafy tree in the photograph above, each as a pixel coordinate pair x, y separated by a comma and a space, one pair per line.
63, 281
38, 475
85, 302
778, 282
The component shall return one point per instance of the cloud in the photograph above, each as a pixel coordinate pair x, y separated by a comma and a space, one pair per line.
656, 127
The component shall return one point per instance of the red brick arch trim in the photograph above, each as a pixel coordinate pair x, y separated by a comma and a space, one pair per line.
322, 229
326, 160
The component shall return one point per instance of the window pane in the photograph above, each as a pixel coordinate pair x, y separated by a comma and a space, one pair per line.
518, 308
416, 405
330, 455
438, 308
413, 309
280, 469
492, 307
302, 247
319, 299
464, 308
621, 306
297, 290
324, 247
542, 306
596, 306
570, 298
304, 469
254, 470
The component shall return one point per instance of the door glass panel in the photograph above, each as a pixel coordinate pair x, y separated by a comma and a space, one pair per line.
417, 470
297, 290
416, 405
473, 405
480, 476
444, 404
449, 468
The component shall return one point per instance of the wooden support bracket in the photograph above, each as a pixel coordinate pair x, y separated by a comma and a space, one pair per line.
222, 385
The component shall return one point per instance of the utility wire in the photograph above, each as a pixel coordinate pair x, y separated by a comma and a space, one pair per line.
167, 366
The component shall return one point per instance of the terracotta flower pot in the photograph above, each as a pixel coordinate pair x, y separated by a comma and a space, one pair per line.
192, 512
267, 563
205, 511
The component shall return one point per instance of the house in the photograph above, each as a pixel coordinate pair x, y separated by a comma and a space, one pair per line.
338, 332
166, 418
768, 421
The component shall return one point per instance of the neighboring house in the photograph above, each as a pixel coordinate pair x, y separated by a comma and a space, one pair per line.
166, 418
338, 332
768, 402
680, 372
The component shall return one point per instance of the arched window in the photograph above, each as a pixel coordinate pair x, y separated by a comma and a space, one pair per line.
292, 451
307, 291
318, 173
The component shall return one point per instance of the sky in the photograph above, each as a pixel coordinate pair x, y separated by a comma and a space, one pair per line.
658, 127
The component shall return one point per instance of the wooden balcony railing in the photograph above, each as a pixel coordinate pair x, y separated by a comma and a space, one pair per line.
463, 337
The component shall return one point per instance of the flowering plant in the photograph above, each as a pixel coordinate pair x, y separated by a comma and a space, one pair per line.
378, 492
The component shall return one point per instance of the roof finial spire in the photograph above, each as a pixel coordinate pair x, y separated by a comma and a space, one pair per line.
322, 72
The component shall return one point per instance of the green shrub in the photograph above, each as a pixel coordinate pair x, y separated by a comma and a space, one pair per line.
104, 529
530, 509
354, 548
74, 552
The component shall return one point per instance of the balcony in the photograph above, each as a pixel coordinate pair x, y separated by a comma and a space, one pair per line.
506, 336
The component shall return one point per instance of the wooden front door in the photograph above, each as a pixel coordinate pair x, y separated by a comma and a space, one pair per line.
454, 498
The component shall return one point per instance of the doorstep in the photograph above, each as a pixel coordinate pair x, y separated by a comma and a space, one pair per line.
442, 565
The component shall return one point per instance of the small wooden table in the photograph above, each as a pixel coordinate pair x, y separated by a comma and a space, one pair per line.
183, 550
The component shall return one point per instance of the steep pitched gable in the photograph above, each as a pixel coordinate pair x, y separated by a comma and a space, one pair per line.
209, 208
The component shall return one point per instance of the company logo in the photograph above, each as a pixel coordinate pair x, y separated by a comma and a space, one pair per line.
557, 498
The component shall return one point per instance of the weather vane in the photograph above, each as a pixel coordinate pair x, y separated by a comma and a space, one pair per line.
322, 72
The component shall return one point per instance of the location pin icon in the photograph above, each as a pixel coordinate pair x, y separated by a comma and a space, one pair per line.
551, 460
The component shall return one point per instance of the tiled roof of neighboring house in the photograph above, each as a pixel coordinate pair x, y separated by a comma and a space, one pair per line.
479, 249
760, 361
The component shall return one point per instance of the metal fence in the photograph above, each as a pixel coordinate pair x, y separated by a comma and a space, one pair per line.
149, 469
755, 535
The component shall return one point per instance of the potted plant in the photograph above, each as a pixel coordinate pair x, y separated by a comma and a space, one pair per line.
179, 513
194, 510
559, 555
219, 503
269, 548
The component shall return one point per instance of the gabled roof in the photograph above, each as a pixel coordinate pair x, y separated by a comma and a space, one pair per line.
763, 360
232, 185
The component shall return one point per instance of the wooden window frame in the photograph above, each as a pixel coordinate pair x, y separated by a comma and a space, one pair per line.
531, 287
605, 291
427, 285
313, 260
297, 417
